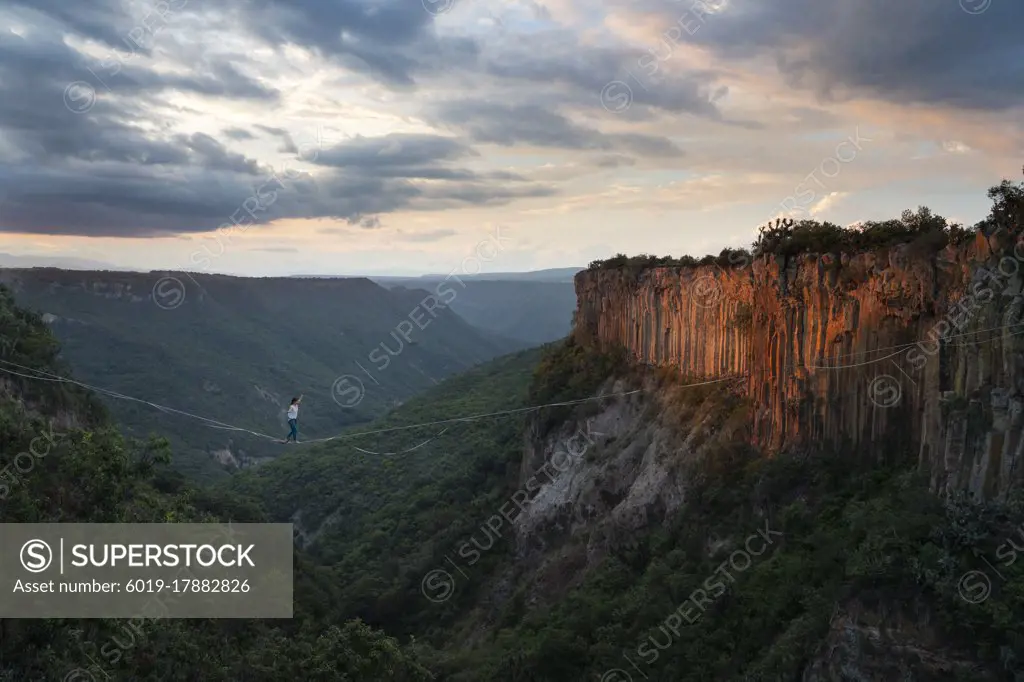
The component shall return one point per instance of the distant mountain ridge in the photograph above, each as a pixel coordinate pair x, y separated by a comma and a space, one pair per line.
8, 260
549, 275
236, 350
534, 312
533, 307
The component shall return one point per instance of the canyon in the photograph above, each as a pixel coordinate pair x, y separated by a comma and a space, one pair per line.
883, 352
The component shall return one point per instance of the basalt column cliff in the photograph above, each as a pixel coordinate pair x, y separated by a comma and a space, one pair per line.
879, 351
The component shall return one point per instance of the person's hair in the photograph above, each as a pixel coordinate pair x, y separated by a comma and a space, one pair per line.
294, 400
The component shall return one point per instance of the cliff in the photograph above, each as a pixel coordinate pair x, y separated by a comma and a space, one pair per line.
876, 351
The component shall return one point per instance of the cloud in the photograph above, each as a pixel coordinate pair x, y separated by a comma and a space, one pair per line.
392, 41
511, 125
432, 113
238, 134
557, 61
827, 202
394, 151
111, 164
429, 236
288, 145
915, 51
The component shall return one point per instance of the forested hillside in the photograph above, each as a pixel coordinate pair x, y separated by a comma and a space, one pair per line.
533, 312
91, 473
799, 567
236, 350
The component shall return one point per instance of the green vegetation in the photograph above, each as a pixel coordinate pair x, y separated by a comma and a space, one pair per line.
855, 536
851, 538
532, 312
727, 258
237, 349
570, 371
92, 474
924, 232
389, 515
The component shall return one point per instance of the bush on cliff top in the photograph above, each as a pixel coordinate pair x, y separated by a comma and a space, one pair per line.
727, 258
924, 231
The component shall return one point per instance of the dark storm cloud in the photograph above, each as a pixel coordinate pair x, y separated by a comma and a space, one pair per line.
112, 169
581, 71
394, 151
213, 155
208, 186
238, 134
105, 21
288, 144
391, 40
39, 126
533, 124
912, 51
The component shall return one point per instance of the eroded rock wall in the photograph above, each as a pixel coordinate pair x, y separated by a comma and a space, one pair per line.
880, 352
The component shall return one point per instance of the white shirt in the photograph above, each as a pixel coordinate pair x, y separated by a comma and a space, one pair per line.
293, 411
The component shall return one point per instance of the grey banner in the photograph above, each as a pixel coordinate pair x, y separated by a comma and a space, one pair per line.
145, 570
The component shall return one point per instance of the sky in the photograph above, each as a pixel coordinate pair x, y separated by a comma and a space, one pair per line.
276, 137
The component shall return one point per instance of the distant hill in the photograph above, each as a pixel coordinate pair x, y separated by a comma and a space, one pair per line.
533, 312
235, 350
533, 307
8, 260
563, 275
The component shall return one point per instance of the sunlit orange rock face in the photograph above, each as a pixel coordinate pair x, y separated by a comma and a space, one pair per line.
880, 353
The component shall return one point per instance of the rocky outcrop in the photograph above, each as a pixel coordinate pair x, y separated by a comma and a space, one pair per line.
895, 643
877, 351
609, 474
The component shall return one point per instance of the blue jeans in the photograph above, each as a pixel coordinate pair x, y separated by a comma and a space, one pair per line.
294, 433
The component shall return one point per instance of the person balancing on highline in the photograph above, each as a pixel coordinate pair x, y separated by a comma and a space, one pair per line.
293, 420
